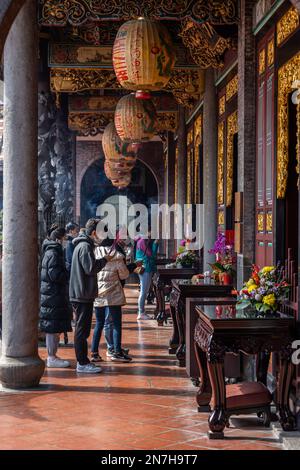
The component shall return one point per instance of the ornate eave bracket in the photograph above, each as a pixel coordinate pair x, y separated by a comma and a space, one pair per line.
206, 47
76, 13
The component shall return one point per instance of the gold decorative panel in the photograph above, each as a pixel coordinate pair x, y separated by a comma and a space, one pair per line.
269, 222
271, 52
287, 74
222, 105
220, 189
221, 218
198, 130
206, 46
232, 88
287, 25
260, 222
262, 61
189, 176
232, 128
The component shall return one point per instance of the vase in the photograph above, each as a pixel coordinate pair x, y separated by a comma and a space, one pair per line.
226, 279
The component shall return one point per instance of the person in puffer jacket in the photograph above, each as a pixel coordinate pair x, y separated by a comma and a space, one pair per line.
55, 309
108, 304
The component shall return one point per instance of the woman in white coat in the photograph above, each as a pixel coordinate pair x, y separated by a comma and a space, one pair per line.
108, 304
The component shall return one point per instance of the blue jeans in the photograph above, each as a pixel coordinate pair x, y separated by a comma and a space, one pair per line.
145, 283
109, 318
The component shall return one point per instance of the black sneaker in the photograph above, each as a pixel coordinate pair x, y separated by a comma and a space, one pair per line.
120, 357
96, 358
110, 352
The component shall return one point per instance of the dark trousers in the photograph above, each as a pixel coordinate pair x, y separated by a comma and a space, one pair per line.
83, 316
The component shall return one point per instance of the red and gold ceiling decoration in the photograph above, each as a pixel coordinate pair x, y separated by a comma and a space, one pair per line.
143, 56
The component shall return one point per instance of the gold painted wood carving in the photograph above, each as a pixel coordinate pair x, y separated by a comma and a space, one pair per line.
232, 88
187, 85
262, 61
220, 189
271, 52
206, 46
287, 25
260, 222
221, 218
269, 222
232, 128
93, 123
287, 74
77, 12
222, 105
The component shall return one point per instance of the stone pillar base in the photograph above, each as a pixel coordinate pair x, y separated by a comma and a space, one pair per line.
21, 372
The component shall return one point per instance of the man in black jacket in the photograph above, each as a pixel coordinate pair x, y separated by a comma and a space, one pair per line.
83, 290
72, 230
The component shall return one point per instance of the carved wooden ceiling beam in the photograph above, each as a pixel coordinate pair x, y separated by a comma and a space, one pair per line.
206, 47
187, 85
77, 12
93, 123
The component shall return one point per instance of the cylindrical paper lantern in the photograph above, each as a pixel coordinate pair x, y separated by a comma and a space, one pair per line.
135, 119
143, 56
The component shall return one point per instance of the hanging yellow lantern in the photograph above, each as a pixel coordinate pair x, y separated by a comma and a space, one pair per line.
122, 183
122, 154
114, 173
135, 119
143, 56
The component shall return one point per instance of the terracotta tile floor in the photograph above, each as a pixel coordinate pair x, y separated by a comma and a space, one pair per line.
148, 404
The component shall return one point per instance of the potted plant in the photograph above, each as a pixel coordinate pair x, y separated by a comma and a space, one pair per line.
223, 268
186, 259
264, 291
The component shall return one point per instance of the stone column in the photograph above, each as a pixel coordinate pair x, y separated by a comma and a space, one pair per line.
20, 365
182, 157
246, 136
209, 167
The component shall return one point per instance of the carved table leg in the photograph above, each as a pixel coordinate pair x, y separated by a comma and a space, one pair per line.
286, 418
180, 317
204, 393
218, 417
160, 293
174, 341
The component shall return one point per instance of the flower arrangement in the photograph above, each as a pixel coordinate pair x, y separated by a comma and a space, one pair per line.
225, 259
265, 289
186, 258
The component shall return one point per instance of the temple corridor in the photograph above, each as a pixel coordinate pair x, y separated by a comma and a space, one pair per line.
148, 404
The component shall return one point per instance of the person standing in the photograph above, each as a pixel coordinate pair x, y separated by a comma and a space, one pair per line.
109, 302
83, 291
55, 309
146, 252
72, 230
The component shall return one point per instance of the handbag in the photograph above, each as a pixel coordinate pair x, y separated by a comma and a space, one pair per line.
139, 270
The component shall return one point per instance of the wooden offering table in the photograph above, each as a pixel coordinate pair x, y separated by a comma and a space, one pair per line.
222, 329
162, 280
181, 290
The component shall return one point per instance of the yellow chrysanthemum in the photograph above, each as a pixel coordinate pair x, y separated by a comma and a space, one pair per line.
268, 269
269, 300
250, 283
252, 287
